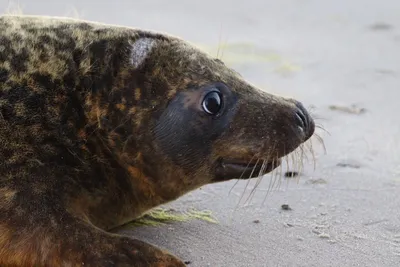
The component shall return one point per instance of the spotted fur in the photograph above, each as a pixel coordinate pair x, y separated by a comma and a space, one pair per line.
100, 123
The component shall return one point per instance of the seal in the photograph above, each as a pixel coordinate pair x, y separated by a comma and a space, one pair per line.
100, 123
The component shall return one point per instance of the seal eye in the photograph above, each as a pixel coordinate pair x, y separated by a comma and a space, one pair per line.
212, 102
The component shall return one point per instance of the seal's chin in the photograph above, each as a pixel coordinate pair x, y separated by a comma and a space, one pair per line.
228, 169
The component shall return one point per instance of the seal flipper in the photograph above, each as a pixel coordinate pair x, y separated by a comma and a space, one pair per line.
93, 247
78, 244
90, 247
43, 231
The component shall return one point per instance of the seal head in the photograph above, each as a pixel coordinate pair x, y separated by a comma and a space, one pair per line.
210, 125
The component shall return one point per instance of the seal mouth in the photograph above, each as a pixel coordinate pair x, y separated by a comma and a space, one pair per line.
228, 169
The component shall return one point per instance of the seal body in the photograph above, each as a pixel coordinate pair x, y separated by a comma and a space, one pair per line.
100, 123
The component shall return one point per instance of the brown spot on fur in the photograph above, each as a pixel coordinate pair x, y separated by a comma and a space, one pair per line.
82, 134
132, 110
6, 197
143, 183
138, 94
20, 109
121, 106
97, 110
24, 250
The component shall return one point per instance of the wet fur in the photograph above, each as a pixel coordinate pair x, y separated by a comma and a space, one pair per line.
90, 139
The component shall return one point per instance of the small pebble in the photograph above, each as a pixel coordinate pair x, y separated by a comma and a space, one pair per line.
348, 165
315, 231
324, 235
381, 26
286, 207
316, 181
256, 221
291, 174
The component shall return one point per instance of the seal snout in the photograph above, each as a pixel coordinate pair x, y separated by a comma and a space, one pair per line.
304, 121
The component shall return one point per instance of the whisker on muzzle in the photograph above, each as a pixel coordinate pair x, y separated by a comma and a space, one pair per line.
259, 179
294, 162
287, 158
277, 178
262, 171
300, 156
247, 184
241, 176
280, 174
272, 181
320, 127
311, 150
320, 141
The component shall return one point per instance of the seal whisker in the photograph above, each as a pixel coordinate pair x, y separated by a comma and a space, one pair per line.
280, 174
311, 150
259, 179
321, 141
248, 181
287, 166
302, 156
219, 41
315, 117
300, 159
241, 176
287, 162
319, 126
292, 159
278, 177
287, 170
270, 185
273, 163
222, 50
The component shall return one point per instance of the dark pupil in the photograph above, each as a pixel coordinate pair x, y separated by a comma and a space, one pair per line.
212, 103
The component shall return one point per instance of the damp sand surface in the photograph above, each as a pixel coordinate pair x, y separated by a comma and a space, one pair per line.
341, 59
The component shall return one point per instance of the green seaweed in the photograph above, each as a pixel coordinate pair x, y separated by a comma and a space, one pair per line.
160, 216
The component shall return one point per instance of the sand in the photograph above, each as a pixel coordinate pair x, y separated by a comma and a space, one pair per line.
342, 59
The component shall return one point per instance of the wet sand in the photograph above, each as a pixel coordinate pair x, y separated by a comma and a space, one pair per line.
342, 59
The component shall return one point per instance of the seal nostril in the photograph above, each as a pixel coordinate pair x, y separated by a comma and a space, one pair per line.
304, 120
301, 119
